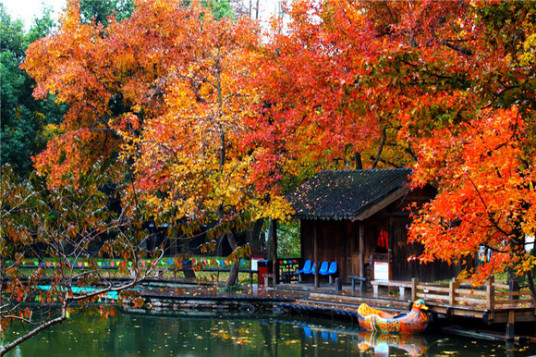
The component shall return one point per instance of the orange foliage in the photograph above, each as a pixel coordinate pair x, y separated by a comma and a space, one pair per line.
429, 78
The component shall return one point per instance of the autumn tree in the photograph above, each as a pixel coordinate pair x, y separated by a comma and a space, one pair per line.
323, 102
410, 84
190, 163
484, 165
160, 92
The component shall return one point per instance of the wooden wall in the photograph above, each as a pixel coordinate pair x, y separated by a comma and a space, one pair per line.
335, 243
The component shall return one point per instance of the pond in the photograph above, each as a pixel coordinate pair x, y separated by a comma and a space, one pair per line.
128, 334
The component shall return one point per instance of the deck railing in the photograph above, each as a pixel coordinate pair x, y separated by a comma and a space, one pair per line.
489, 297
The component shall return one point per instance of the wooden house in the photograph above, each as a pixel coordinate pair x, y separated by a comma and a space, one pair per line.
359, 218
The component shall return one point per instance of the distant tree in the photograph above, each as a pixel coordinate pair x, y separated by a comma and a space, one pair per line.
100, 10
219, 8
26, 123
288, 239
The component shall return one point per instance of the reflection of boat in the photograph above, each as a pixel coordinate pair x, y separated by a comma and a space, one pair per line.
414, 345
377, 320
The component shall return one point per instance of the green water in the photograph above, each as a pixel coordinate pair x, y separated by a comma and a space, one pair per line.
126, 334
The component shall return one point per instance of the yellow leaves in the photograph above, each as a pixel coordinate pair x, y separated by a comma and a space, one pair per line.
530, 43
528, 264
527, 58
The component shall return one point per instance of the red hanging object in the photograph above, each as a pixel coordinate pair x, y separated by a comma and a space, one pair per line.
383, 239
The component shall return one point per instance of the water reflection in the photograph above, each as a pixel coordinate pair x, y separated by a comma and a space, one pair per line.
383, 344
126, 334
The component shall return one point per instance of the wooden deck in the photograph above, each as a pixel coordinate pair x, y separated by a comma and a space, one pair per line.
493, 303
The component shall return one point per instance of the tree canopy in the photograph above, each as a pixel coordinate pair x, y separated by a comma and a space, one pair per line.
217, 122
445, 87
206, 121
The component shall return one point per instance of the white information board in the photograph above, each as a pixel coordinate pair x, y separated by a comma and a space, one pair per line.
381, 270
254, 264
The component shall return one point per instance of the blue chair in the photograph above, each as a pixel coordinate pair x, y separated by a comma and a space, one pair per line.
311, 271
331, 271
333, 336
308, 272
305, 270
325, 335
323, 268
306, 267
308, 332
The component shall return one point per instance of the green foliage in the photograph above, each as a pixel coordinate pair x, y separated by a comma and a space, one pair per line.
24, 120
11, 35
100, 10
41, 27
220, 9
288, 239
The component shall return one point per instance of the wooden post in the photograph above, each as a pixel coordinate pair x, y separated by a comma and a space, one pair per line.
490, 296
510, 326
414, 284
389, 248
513, 285
453, 285
361, 237
371, 266
315, 253
275, 265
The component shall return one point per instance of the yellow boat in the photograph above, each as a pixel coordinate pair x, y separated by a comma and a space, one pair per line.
415, 321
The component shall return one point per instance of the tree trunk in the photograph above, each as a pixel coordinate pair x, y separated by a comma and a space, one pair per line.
358, 161
253, 236
233, 274
530, 283
270, 254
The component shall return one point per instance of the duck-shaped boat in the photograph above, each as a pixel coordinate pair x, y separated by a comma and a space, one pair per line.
414, 321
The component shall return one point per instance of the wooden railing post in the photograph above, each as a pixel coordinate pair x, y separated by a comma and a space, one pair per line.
453, 285
490, 289
513, 285
510, 326
414, 284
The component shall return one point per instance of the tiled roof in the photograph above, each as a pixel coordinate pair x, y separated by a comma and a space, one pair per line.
345, 194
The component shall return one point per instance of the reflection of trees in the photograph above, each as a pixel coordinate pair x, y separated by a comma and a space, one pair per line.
87, 334
267, 336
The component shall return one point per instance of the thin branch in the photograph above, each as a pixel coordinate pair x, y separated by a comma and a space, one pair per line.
490, 217
464, 51
5, 349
